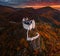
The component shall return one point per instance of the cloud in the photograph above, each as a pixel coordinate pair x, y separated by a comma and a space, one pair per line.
24, 2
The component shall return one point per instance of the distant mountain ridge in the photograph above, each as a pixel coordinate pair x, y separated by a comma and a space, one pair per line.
46, 14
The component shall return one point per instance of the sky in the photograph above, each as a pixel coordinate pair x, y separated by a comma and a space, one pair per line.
22, 1
29, 3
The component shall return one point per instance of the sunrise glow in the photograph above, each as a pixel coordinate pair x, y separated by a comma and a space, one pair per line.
40, 6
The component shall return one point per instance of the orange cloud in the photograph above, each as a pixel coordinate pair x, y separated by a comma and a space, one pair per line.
39, 6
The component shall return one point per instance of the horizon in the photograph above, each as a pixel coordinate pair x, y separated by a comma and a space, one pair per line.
37, 7
31, 3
